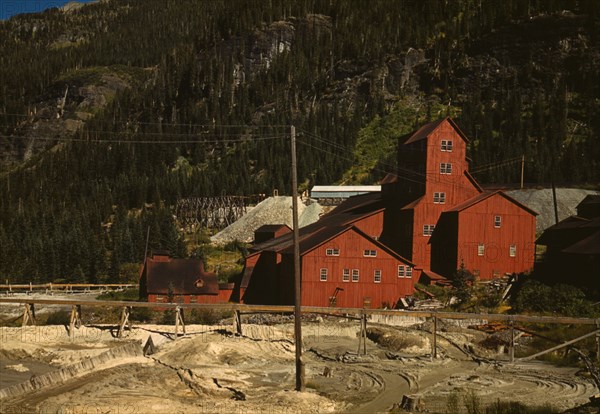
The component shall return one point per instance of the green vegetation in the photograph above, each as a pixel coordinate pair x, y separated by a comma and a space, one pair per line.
535, 297
126, 294
207, 93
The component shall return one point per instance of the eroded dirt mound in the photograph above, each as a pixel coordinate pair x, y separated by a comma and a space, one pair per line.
399, 341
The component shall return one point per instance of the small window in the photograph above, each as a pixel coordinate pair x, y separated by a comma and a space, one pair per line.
372, 253
447, 145
439, 198
409, 271
323, 275
445, 168
428, 229
512, 250
480, 249
377, 276
497, 221
332, 252
401, 271
355, 275
346, 275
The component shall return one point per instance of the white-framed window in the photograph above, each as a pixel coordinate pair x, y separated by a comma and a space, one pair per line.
497, 221
346, 275
332, 252
512, 250
445, 168
409, 270
371, 253
439, 198
428, 229
355, 275
447, 145
401, 271
480, 249
377, 276
323, 275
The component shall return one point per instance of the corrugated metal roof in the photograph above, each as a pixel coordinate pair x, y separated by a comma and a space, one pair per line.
346, 188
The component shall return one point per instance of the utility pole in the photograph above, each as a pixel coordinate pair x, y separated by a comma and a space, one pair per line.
522, 169
297, 281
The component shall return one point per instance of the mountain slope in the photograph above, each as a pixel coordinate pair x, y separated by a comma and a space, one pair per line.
132, 104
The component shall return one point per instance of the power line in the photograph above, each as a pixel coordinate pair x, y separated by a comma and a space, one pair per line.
247, 139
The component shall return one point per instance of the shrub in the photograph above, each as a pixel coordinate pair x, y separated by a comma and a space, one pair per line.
207, 316
58, 318
141, 315
534, 296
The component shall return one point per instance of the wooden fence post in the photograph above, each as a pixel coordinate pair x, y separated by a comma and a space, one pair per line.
75, 320
178, 321
362, 336
434, 350
511, 350
237, 322
28, 314
124, 319
598, 341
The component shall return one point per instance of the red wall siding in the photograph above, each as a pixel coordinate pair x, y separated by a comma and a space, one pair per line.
456, 187
352, 245
372, 225
476, 225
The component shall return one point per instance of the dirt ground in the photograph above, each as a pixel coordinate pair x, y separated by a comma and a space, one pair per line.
211, 370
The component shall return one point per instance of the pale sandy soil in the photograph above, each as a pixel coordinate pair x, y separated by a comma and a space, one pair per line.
213, 371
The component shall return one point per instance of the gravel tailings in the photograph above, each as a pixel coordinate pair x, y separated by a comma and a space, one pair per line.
541, 202
273, 210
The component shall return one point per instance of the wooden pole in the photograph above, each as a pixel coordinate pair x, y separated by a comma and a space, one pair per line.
365, 334
124, 320
434, 351
297, 274
522, 170
28, 314
596, 332
555, 203
237, 322
74, 320
512, 341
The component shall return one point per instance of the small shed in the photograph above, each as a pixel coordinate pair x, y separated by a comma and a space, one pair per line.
270, 231
165, 279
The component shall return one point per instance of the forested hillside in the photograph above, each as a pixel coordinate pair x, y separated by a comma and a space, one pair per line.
111, 112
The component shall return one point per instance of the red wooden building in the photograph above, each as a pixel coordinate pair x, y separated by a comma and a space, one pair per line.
342, 264
164, 279
432, 215
438, 216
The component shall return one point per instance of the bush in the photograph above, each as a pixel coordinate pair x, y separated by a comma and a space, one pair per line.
207, 316
566, 300
141, 315
127, 294
58, 318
